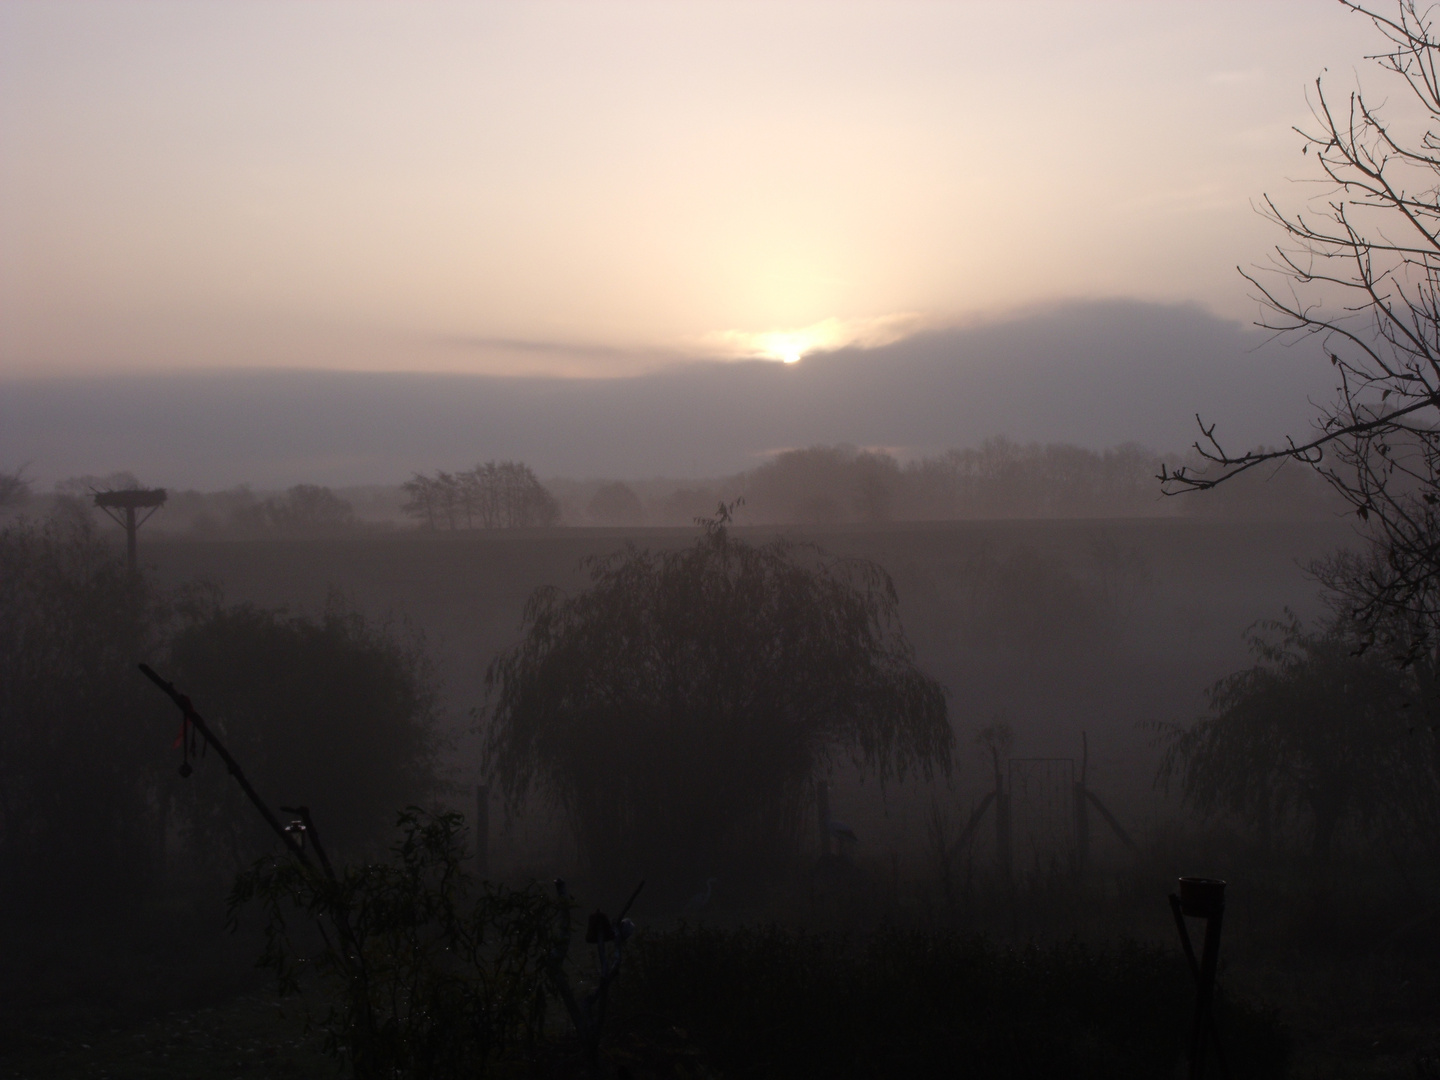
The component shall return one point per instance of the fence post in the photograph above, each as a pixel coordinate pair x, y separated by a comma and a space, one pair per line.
482, 830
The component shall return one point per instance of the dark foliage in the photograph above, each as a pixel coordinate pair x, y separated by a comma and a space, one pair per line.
304, 510
1001, 478
80, 743
425, 973
1315, 732
495, 495
331, 711
823, 485
677, 706
769, 1001
14, 488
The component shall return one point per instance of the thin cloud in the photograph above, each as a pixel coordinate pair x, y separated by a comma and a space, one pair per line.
567, 358
787, 344
792, 344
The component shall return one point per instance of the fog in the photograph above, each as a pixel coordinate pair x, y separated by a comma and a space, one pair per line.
368, 585
1096, 375
689, 542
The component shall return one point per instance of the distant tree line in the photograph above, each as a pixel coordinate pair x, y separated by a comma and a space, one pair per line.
495, 495
304, 510
1000, 478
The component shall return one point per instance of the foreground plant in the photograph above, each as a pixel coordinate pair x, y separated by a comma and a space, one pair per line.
426, 973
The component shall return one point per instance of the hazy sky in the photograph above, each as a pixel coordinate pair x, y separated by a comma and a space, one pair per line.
596, 188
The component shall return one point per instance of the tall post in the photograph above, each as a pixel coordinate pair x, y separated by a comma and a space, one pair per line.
822, 811
482, 830
129, 500
130, 529
1202, 898
1204, 998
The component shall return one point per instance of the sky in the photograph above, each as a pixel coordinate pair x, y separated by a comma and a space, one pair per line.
604, 189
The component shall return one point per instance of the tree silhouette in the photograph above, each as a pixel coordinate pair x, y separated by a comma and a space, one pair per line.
1358, 272
677, 707
14, 488
333, 710
1312, 733
495, 495
78, 739
304, 510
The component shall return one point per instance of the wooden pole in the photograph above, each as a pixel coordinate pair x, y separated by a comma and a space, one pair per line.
1203, 898
482, 830
193, 717
1205, 995
130, 530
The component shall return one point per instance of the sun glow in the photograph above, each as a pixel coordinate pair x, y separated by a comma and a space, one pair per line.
791, 346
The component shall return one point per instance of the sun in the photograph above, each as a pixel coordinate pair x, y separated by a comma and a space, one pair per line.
786, 346
793, 345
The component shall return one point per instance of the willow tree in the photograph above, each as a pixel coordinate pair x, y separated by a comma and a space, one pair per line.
677, 708
1314, 733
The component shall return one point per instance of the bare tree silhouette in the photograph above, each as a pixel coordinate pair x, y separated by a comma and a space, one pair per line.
495, 495
1358, 272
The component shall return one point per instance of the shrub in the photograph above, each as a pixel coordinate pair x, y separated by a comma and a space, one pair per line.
425, 974
332, 711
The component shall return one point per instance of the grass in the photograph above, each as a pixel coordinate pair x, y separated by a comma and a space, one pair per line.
772, 1001
751, 1001
762, 1000
248, 1036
